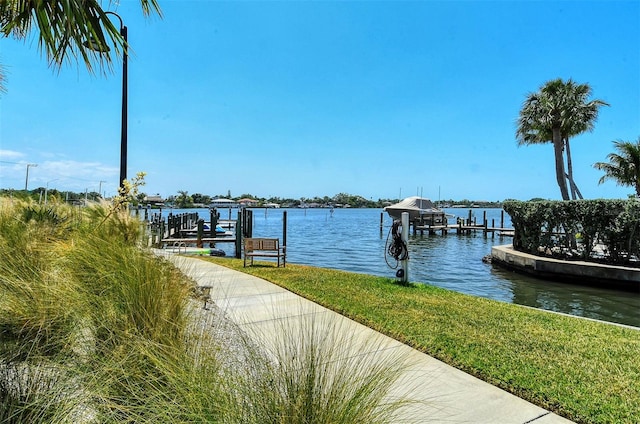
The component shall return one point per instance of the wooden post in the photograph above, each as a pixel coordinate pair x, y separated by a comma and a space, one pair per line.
502, 218
213, 221
200, 231
493, 225
284, 233
381, 221
239, 230
484, 218
176, 223
250, 223
242, 216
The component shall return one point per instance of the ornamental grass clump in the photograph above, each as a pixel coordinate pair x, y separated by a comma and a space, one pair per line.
315, 369
129, 292
75, 300
39, 304
95, 329
33, 392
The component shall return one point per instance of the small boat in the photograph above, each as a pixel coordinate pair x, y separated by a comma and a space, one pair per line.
206, 229
419, 209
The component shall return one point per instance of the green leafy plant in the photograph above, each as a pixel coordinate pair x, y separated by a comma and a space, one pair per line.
590, 230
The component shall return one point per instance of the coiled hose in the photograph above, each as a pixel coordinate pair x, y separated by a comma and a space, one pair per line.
396, 248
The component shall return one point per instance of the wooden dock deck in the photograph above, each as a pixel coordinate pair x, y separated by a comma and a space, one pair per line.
462, 229
464, 226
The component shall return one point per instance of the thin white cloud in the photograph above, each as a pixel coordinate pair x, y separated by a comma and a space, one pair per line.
10, 154
81, 171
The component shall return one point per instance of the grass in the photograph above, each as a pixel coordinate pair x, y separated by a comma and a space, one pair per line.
319, 374
586, 371
94, 329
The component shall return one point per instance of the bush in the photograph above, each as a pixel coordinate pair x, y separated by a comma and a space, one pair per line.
591, 230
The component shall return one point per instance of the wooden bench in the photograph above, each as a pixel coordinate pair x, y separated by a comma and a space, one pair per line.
264, 248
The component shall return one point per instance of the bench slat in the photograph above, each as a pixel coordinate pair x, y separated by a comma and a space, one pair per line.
263, 247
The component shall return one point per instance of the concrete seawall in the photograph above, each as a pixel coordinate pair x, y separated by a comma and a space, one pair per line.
578, 272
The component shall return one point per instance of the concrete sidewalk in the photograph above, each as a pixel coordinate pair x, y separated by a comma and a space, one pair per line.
443, 394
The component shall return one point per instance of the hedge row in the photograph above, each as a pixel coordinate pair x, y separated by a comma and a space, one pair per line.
591, 230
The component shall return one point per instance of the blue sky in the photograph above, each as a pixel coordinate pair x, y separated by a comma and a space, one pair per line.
300, 99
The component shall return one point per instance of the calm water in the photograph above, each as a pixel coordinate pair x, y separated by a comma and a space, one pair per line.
351, 240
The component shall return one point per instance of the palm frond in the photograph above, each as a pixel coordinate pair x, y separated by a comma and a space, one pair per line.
624, 166
64, 27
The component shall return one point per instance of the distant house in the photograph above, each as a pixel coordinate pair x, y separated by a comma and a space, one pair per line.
250, 203
154, 200
221, 202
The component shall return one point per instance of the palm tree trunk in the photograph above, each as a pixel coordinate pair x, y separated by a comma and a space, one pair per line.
572, 185
560, 174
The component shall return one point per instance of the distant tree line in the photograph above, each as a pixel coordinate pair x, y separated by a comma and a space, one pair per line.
185, 200
52, 194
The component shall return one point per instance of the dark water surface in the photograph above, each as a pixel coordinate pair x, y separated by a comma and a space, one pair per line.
351, 240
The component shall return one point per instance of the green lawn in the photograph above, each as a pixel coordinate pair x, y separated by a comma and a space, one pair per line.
586, 371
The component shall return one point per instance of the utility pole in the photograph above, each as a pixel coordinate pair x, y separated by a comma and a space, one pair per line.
26, 181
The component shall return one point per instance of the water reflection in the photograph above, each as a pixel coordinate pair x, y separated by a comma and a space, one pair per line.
610, 305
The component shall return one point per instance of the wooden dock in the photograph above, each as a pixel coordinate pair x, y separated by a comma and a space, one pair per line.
463, 226
183, 230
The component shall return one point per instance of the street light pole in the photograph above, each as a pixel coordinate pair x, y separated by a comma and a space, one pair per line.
26, 181
125, 102
46, 190
125, 83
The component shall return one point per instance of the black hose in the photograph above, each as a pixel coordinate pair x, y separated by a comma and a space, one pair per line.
397, 248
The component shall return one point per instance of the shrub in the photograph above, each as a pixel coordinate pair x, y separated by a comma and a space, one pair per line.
590, 230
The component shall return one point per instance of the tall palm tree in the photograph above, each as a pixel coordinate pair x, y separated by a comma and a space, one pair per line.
557, 112
584, 114
64, 26
623, 167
